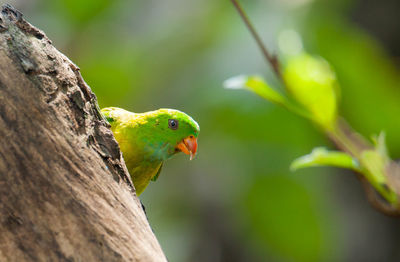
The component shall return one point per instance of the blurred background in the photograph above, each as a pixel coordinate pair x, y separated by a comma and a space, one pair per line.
238, 201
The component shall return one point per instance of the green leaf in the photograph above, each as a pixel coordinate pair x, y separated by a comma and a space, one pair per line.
374, 167
313, 84
380, 144
374, 161
322, 157
257, 85
375, 164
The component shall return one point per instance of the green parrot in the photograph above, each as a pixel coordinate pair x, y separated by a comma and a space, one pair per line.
148, 139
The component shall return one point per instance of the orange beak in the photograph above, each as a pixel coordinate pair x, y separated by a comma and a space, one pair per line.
188, 146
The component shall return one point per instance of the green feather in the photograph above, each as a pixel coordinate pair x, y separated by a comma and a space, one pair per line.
146, 140
154, 178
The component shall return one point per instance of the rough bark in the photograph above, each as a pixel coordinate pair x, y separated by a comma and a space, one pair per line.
65, 193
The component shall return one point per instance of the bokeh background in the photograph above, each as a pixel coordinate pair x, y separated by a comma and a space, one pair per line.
238, 201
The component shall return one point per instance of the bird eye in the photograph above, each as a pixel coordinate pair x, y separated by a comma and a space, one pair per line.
173, 124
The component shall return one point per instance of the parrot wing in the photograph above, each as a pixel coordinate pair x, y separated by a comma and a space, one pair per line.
154, 178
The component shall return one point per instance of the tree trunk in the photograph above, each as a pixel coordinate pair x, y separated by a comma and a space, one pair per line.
65, 193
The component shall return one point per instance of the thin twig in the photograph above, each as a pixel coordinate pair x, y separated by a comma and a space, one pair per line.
271, 59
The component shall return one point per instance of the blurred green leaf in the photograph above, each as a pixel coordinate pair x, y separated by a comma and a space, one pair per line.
375, 166
322, 157
257, 85
380, 144
313, 84
375, 163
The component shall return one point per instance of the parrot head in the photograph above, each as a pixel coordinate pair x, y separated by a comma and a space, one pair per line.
170, 132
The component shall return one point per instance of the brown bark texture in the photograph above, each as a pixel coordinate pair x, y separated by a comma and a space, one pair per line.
65, 192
